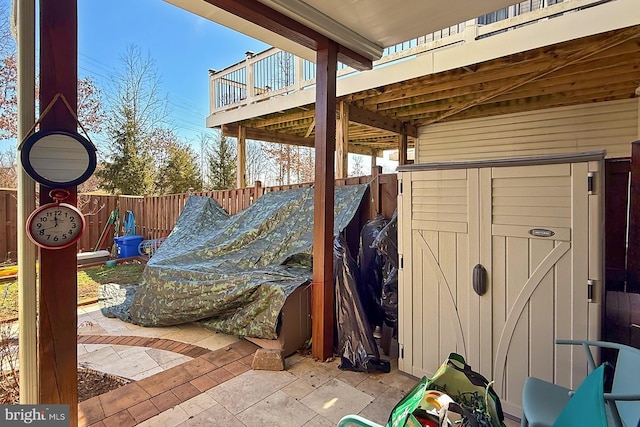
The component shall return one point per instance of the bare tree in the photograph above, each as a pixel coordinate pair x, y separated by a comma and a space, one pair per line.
257, 169
7, 43
357, 166
90, 109
136, 125
91, 113
8, 169
135, 95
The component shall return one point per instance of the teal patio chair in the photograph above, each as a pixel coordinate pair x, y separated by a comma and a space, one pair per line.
543, 402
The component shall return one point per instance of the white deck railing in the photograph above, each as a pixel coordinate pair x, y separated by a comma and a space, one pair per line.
274, 72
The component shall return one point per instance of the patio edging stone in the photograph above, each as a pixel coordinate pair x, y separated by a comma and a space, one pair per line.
143, 399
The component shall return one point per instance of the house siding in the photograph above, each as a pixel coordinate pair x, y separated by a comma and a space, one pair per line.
611, 126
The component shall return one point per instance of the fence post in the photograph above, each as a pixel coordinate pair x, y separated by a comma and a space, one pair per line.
633, 253
374, 188
258, 191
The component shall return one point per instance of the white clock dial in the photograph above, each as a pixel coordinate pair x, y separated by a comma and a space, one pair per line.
55, 226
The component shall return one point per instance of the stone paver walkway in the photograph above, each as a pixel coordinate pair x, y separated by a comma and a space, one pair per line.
188, 376
138, 401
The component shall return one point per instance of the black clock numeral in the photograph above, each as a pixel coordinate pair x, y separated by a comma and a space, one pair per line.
41, 232
73, 225
72, 218
55, 238
43, 218
71, 231
38, 225
48, 236
64, 237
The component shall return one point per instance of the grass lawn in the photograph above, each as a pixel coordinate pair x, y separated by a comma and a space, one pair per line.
89, 280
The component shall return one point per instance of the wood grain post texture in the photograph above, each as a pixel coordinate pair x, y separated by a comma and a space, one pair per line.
633, 253
403, 145
242, 157
57, 351
322, 310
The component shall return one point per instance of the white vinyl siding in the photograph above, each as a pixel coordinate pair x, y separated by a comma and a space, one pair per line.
606, 125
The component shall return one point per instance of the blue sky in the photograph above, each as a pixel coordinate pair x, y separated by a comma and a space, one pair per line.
184, 47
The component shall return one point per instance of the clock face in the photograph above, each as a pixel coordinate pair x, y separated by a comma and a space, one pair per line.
55, 226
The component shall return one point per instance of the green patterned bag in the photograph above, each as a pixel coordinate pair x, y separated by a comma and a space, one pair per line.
468, 389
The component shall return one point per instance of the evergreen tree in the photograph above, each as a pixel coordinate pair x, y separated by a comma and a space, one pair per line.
179, 172
135, 127
221, 159
130, 169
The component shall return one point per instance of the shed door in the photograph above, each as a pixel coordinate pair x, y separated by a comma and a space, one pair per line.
529, 227
439, 210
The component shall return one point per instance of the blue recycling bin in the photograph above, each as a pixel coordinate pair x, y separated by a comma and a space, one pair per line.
128, 245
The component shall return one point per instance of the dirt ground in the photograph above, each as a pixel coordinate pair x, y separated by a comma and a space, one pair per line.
90, 383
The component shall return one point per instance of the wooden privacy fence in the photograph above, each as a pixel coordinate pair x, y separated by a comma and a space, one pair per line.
622, 249
155, 216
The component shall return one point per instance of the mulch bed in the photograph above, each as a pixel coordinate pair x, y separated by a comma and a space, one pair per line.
90, 383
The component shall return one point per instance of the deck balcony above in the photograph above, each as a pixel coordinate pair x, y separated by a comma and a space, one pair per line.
275, 83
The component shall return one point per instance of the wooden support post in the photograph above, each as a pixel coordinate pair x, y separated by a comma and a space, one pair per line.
258, 191
403, 144
376, 202
322, 309
57, 351
342, 140
374, 159
241, 181
638, 96
27, 290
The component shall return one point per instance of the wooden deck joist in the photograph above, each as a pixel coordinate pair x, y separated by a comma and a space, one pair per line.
231, 130
266, 17
601, 67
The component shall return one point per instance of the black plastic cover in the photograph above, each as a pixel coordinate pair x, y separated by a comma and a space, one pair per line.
371, 263
355, 343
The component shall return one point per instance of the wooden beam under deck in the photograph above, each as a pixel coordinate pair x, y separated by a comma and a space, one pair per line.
272, 20
231, 130
373, 119
598, 68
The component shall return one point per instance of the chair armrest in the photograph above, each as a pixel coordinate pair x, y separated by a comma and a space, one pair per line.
603, 344
585, 344
621, 396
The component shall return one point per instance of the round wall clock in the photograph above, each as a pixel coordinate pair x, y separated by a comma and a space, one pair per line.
55, 225
57, 158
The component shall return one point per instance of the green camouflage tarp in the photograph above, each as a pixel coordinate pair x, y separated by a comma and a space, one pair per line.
232, 273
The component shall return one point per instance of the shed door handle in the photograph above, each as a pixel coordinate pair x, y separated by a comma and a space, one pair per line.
479, 279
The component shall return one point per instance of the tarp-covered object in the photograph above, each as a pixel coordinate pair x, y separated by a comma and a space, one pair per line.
233, 273
354, 338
